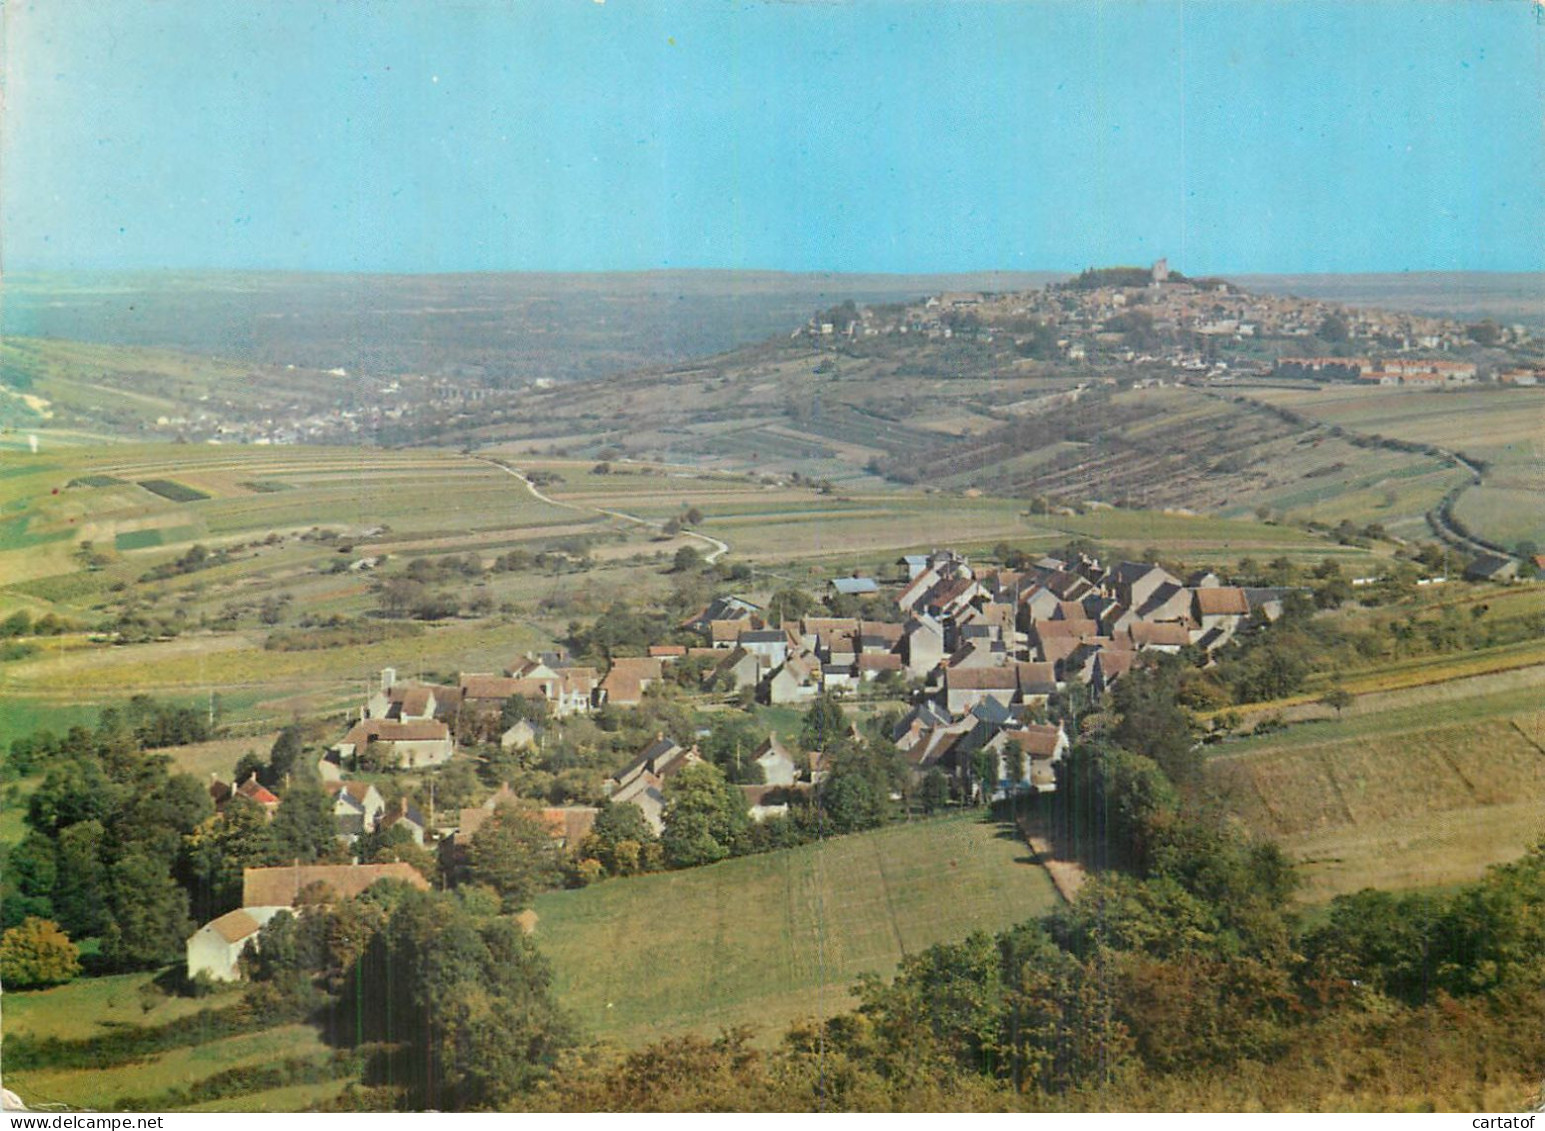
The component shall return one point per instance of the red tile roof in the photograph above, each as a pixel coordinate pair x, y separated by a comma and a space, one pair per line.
1036, 740
1167, 634
251, 790
498, 687
390, 730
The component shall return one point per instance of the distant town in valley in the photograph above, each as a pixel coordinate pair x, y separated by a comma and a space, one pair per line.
1120, 326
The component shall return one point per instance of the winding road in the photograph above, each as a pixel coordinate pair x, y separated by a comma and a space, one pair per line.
1440, 519
719, 548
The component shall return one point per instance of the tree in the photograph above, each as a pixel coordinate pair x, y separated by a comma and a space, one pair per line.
80, 889
1153, 723
37, 953
469, 995
156, 821
984, 768
1017, 761
825, 725
304, 828
530, 708
395, 844
150, 922
618, 838
248, 764
514, 853
283, 757
275, 955
687, 560
850, 802
705, 817
729, 745
790, 604
32, 870
76, 791
215, 854
1338, 698
935, 793
396, 595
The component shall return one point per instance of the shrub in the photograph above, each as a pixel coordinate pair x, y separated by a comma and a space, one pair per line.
37, 953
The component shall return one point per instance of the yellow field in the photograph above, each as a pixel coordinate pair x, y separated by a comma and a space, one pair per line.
1396, 802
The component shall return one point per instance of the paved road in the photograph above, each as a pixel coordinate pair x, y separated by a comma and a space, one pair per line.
719, 548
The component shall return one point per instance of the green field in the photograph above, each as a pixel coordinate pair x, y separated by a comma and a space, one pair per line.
89, 1007
342, 506
765, 940
146, 1080
95, 1007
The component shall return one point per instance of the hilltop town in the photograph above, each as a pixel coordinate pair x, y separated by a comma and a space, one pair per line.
1209, 327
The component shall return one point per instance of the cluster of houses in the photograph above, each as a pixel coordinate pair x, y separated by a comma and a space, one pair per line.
1011, 637
970, 635
358, 808
1412, 372
1092, 322
989, 649
984, 649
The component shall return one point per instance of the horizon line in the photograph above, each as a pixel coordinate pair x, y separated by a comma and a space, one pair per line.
30, 272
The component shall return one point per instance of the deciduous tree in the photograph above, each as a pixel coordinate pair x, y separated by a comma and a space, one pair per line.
37, 953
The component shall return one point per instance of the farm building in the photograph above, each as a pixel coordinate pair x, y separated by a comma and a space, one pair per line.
1492, 567
215, 948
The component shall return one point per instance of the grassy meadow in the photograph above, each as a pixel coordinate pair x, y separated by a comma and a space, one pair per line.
766, 940
94, 1007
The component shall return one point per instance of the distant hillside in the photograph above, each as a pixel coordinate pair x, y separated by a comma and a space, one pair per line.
498, 329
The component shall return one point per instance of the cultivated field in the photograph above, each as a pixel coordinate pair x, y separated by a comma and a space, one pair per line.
1430, 791
1503, 427
765, 940
302, 526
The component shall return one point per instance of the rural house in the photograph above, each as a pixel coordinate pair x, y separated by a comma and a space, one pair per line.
412, 744
357, 807
215, 949
628, 679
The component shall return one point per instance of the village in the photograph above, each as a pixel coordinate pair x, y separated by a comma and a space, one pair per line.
1201, 327
992, 666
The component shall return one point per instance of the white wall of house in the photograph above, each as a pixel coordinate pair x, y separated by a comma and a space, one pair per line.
210, 953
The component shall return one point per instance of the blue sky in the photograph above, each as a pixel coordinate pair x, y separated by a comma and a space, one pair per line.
566, 135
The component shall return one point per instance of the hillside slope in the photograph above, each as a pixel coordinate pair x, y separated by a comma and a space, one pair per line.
765, 940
